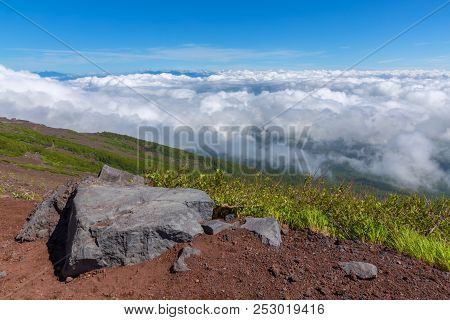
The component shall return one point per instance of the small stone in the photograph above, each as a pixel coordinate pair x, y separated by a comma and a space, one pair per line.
212, 227
180, 265
267, 229
362, 270
3, 274
69, 279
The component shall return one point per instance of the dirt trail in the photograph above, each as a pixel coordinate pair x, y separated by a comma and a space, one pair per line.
233, 265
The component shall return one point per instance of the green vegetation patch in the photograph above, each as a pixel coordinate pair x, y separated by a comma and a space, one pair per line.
411, 224
58, 154
72, 153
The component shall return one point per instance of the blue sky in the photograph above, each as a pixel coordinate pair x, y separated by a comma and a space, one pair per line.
128, 36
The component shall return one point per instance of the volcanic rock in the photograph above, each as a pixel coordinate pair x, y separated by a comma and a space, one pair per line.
267, 229
362, 270
215, 226
43, 220
121, 225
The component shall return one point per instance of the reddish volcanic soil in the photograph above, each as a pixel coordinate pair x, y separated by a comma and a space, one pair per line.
233, 265
14, 178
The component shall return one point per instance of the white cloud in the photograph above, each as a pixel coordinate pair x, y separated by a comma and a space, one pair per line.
403, 116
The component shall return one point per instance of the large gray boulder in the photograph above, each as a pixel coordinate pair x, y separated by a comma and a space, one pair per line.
267, 229
362, 270
119, 225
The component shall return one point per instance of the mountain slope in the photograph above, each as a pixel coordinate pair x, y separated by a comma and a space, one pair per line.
68, 152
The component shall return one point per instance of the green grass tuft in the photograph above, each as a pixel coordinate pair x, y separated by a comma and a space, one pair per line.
432, 250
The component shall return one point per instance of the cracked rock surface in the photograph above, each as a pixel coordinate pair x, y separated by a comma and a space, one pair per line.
120, 225
45, 217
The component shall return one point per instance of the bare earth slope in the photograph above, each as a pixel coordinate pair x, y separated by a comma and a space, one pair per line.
233, 265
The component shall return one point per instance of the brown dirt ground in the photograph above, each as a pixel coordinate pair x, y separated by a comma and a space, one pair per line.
234, 265
14, 178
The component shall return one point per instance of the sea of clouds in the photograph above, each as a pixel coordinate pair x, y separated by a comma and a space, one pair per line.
387, 123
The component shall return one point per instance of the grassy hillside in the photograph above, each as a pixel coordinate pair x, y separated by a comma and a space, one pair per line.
68, 152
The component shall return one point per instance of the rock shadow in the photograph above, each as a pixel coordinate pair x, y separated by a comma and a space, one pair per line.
56, 244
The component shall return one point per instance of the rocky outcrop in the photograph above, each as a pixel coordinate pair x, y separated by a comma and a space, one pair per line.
267, 229
45, 217
117, 225
180, 265
361, 270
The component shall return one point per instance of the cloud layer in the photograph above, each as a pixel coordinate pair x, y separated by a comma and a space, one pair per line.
389, 123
